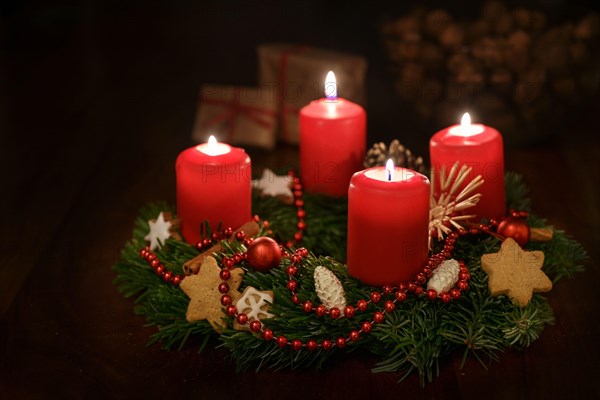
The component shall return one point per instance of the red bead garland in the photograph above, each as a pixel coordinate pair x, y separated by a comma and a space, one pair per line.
397, 295
167, 276
391, 295
300, 212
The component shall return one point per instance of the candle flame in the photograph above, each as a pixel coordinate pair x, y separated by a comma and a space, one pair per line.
465, 121
213, 148
330, 86
389, 169
466, 128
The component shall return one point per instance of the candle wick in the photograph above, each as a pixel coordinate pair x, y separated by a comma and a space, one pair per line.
389, 175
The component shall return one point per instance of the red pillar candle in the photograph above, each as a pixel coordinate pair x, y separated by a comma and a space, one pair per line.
214, 185
388, 218
480, 147
332, 142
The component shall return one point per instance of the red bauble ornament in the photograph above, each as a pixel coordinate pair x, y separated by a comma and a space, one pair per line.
263, 254
516, 228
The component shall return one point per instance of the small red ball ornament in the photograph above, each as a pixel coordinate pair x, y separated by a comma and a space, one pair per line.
321, 310
267, 334
263, 254
516, 228
282, 341
255, 326
401, 296
361, 305
349, 311
296, 344
335, 313
366, 327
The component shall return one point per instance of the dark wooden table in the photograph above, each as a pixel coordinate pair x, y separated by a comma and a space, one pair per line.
92, 116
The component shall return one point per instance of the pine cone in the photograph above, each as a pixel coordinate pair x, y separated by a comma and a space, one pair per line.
444, 277
329, 289
400, 155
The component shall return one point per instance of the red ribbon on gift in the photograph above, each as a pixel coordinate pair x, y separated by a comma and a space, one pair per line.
234, 109
284, 108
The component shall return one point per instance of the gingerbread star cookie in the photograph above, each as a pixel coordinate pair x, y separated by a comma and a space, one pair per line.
203, 291
515, 272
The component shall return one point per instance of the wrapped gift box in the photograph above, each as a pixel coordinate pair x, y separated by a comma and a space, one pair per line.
237, 115
296, 74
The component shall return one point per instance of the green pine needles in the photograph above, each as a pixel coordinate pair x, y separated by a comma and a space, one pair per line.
412, 338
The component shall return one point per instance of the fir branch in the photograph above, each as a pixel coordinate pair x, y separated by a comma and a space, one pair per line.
165, 307
517, 192
409, 340
563, 256
326, 221
524, 325
471, 324
291, 321
412, 338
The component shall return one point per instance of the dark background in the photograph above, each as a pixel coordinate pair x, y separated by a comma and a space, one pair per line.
97, 99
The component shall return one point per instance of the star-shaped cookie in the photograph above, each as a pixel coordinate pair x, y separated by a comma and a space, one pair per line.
271, 184
203, 291
255, 304
515, 272
161, 229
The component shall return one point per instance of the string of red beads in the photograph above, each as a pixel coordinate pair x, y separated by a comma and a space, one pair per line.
394, 294
300, 212
159, 268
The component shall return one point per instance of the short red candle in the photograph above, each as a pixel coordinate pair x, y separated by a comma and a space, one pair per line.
480, 147
332, 143
214, 185
387, 225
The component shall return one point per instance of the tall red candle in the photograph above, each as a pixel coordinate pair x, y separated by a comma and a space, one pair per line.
214, 185
332, 142
388, 218
480, 147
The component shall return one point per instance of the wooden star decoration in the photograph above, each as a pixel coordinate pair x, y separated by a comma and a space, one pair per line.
515, 272
205, 298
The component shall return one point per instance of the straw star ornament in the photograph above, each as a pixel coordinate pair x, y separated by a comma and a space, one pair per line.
445, 210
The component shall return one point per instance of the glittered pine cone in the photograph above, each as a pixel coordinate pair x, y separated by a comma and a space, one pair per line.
400, 155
